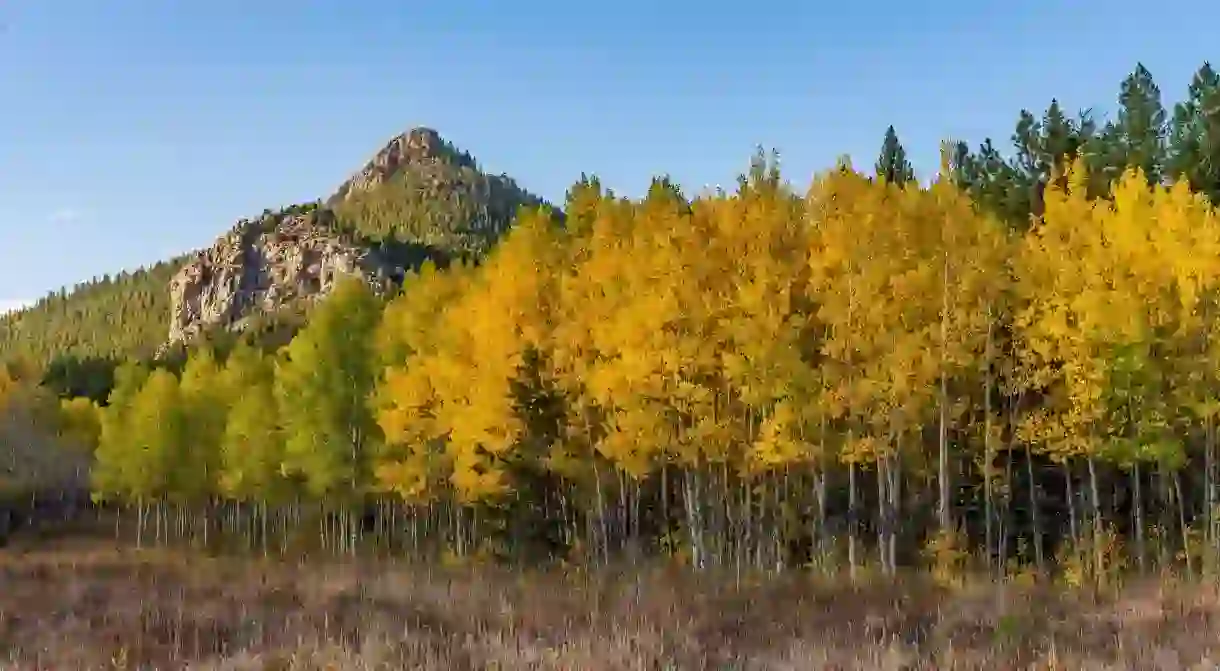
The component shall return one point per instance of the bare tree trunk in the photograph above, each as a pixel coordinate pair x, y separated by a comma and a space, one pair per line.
1035, 518
601, 546
693, 520
819, 486
1005, 519
943, 515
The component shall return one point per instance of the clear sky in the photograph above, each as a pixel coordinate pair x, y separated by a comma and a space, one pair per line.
132, 130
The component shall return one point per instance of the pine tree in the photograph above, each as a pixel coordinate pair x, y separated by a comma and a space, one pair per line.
1140, 130
1013, 188
892, 165
1194, 143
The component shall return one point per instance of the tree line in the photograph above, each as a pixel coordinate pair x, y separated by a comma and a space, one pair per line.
863, 374
869, 373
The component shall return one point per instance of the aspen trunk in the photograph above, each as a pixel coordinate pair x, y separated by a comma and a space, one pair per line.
988, 510
882, 519
894, 492
1137, 506
943, 513
1071, 501
1095, 501
1186, 550
819, 487
851, 519
1209, 498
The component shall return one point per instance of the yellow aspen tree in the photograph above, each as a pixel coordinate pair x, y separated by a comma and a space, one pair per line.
411, 461
1164, 242
872, 281
838, 259
454, 388
971, 253
903, 279
590, 295
1195, 365
1091, 286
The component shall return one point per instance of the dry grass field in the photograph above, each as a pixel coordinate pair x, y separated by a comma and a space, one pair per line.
85, 606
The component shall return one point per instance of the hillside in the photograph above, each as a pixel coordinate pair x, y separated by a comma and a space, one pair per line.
121, 315
418, 197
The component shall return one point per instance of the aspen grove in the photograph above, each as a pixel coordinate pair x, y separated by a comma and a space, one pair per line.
867, 375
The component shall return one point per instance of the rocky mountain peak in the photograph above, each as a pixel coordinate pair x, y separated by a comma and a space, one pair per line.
419, 146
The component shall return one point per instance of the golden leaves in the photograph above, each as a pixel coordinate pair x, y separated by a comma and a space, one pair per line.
1098, 278
905, 281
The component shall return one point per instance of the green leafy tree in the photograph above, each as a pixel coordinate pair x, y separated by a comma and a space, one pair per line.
110, 473
204, 400
143, 441
252, 446
322, 384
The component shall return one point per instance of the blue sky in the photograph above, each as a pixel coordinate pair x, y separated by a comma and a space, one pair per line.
133, 130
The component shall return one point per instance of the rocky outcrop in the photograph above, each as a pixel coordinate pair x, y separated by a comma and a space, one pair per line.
264, 265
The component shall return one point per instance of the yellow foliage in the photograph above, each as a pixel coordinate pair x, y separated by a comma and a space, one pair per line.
905, 281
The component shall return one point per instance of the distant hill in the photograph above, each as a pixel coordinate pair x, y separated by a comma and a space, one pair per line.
418, 197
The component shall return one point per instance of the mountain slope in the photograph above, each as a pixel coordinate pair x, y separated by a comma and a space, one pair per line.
123, 315
418, 197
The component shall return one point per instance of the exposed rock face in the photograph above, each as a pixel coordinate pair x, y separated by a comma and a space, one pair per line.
264, 265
